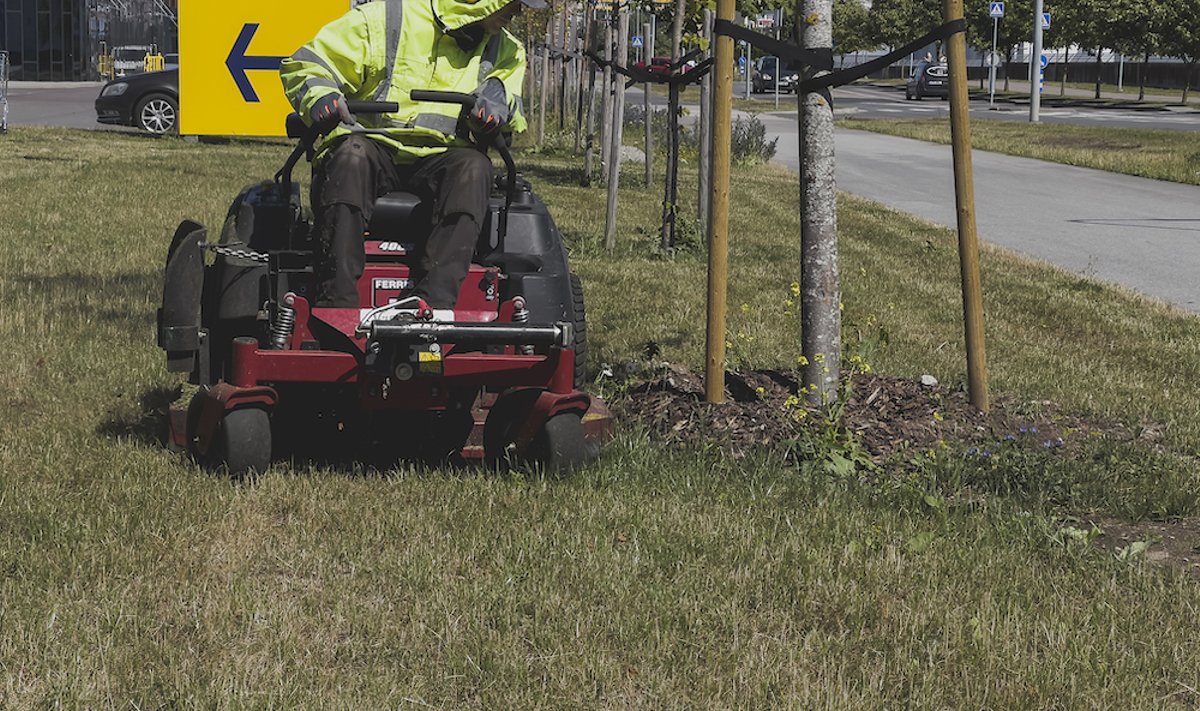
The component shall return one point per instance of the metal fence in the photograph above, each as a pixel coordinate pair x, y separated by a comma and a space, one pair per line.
3, 91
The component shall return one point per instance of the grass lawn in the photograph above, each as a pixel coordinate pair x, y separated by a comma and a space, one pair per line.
656, 577
1148, 153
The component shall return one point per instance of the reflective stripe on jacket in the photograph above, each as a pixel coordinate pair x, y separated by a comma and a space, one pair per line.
382, 50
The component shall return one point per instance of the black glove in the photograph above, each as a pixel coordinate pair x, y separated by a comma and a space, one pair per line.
330, 111
490, 113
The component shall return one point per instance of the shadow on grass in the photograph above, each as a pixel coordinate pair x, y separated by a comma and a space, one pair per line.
144, 423
556, 174
303, 444
67, 288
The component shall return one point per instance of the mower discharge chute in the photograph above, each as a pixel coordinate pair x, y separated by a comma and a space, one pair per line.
498, 377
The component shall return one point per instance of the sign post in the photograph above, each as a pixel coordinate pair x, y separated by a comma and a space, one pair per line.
229, 81
1035, 92
997, 12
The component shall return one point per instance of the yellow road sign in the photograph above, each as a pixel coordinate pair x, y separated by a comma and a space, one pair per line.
229, 61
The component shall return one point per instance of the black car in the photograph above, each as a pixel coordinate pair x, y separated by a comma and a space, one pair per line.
763, 79
928, 79
149, 101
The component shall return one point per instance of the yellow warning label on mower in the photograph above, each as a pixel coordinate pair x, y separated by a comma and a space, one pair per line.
229, 55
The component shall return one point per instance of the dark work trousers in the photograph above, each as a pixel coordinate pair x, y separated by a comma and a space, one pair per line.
455, 185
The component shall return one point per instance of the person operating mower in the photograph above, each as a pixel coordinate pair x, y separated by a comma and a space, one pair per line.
381, 51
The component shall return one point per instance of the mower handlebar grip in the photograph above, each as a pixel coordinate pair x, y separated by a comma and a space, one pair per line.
443, 97
373, 107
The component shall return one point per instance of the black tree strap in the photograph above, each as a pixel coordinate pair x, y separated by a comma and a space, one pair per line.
642, 75
819, 59
822, 59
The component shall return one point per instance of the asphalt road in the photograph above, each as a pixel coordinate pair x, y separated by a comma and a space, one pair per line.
1143, 234
1140, 233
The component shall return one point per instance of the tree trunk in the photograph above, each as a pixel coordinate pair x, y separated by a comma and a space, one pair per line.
1142, 77
1062, 89
705, 120
820, 314
1099, 67
614, 160
1187, 80
677, 29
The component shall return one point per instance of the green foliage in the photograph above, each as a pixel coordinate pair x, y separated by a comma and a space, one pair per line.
851, 27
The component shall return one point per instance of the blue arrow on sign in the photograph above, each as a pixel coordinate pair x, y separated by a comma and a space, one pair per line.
239, 62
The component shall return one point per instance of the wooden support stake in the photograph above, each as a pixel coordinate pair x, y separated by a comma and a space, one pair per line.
718, 223
618, 129
964, 194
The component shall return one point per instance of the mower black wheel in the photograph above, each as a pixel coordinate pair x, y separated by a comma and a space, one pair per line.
195, 407
500, 429
561, 445
243, 441
580, 324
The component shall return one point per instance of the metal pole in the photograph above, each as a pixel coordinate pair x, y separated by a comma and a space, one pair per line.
647, 109
718, 220
1035, 65
1120, 74
3, 92
820, 288
992, 68
614, 161
964, 192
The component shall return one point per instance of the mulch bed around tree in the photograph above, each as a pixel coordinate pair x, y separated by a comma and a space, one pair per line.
890, 415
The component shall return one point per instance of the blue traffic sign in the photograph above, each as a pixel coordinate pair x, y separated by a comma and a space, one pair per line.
996, 9
1045, 20
637, 41
1045, 61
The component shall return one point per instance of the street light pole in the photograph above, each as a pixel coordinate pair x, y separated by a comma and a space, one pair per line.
1035, 65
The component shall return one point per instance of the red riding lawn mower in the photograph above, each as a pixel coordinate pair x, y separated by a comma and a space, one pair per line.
499, 377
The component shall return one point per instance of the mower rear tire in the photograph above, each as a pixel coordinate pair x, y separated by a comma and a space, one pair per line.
561, 445
243, 442
579, 321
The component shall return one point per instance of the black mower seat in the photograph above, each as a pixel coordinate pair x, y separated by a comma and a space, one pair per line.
393, 216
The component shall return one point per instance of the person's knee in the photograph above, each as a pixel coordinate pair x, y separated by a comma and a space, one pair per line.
475, 170
348, 170
466, 192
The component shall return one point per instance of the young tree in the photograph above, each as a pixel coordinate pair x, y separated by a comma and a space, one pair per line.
1137, 27
1181, 38
851, 31
1014, 28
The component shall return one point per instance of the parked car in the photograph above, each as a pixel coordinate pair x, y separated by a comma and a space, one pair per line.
764, 76
149, 101
658, 65
928, 79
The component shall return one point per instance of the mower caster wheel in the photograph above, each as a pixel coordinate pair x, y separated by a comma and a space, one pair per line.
243, 442
561, 445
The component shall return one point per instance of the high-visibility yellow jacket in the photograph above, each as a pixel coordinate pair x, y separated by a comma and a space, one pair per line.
382, 50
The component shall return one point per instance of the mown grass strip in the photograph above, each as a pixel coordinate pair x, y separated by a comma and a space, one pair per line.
1149, 153
657, 578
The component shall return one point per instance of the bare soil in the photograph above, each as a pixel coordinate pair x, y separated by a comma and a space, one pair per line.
890, 415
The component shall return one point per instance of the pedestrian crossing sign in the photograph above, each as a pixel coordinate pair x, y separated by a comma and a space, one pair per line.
996, 10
